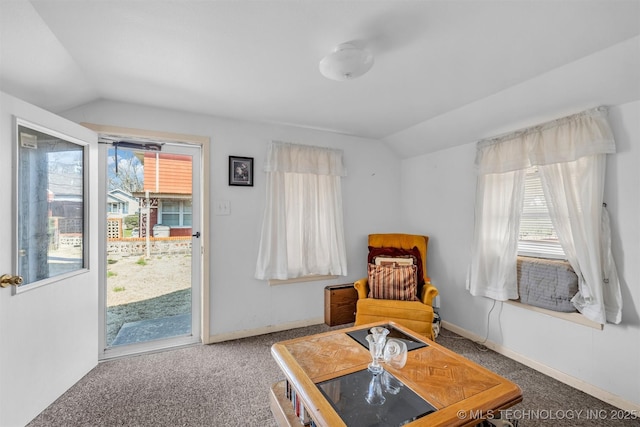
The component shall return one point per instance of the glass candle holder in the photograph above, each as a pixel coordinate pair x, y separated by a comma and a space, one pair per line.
395, 353
375, 347
380, 335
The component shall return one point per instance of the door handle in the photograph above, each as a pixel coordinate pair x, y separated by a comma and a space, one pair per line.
8, 279
197, 235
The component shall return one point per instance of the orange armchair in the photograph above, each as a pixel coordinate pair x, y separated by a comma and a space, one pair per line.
415, 315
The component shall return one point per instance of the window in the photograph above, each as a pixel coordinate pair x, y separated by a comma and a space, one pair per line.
51, 204
302, 230
571, 156
118, 208
176, 213
537, 237
112, 208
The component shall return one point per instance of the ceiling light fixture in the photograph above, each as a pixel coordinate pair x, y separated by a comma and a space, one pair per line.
346, 62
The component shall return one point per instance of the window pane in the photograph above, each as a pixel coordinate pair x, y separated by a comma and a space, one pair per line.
170, 219
50, 205
170, 206
537, 236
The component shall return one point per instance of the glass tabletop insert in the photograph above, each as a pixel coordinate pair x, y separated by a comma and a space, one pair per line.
364, 399
360, 335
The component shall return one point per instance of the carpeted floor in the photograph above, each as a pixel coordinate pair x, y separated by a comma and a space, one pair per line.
227, 384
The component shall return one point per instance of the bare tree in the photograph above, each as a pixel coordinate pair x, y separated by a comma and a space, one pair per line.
129, 173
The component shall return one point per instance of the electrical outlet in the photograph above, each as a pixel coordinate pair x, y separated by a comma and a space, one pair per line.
222, 207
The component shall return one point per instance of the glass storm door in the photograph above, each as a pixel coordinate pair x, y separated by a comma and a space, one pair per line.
152, 255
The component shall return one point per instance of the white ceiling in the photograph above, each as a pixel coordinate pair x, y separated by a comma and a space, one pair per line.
258, 60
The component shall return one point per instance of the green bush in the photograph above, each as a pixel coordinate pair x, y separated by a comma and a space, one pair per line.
131, 221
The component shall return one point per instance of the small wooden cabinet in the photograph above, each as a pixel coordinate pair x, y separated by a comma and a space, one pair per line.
340, 304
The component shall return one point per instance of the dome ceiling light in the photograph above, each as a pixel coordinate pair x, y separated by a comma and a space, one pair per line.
346, 62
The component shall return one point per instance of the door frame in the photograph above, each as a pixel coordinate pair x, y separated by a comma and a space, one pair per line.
204, 144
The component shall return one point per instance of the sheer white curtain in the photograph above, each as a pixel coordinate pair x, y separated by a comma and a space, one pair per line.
574, 191
570, 154
493, 265
302, 228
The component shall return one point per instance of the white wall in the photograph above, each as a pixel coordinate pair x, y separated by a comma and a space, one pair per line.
241, 305
439, 193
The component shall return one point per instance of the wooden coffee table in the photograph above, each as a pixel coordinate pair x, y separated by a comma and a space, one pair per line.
319, 368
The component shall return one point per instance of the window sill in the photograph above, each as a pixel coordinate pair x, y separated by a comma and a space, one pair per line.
570, 317
301, 279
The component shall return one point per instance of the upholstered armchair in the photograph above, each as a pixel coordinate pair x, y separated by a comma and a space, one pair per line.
413, 312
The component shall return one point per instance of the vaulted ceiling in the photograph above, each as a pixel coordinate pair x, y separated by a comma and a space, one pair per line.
258, 60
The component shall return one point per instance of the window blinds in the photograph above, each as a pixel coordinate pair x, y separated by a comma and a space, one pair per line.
537, 236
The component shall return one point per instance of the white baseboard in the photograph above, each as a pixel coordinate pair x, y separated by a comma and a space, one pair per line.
264, 330
581, 385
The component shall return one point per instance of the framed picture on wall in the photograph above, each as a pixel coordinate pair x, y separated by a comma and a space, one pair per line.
241, 171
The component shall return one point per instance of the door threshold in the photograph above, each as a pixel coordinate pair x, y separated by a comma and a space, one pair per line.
149, 347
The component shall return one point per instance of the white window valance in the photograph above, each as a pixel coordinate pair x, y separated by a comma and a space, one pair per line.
296, 158
563, 140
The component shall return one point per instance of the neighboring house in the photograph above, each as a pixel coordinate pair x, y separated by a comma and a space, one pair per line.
167, 194
121, 203
66, 210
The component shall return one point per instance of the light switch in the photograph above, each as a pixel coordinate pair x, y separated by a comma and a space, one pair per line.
222, 207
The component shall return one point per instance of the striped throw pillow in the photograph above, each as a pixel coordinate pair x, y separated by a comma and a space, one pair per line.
397, 282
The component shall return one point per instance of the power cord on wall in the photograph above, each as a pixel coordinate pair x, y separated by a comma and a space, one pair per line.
486, 337
480, 345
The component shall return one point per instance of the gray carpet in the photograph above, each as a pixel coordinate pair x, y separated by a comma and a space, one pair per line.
227, 384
